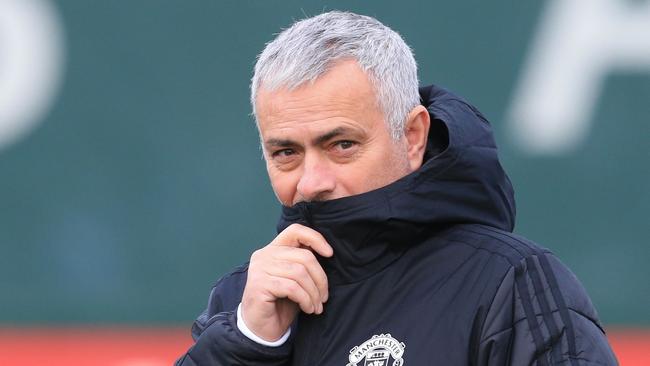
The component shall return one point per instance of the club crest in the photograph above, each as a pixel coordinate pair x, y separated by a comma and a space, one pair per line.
378, 351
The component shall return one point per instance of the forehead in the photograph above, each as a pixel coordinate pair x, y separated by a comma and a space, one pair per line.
344, 93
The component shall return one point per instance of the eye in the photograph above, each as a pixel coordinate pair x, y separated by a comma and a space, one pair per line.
344, 144
283, 156
344, 148
283, 152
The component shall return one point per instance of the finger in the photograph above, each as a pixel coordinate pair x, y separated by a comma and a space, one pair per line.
297, 235
297, 272
287, 288
265, 258
307, 258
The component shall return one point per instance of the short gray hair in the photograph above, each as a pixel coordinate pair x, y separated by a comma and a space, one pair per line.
310, 47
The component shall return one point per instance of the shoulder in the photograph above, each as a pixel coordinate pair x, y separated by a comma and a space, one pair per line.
539, 307
225, 296
227, 291
510, 248
529, 268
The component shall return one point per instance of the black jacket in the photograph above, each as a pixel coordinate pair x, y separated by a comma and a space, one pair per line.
426, 271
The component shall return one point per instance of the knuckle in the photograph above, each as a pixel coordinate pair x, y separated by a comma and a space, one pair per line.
275, 283
292, 287
294, 226
257, 254
299, 270
288, 267
306, 255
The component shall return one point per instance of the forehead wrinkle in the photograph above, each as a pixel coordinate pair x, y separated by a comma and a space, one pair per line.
304, 117
314, 107
311, 99
346, 95
337, 131
319, 128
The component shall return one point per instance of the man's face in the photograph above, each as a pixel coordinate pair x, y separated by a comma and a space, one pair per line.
328, 139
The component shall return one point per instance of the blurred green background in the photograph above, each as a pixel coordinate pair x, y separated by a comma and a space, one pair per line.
143, 182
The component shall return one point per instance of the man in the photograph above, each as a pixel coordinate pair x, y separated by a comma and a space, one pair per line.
395, 243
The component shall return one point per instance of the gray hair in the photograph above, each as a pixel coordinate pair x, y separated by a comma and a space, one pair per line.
310, 47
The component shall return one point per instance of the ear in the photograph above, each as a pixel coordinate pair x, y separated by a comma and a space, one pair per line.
416, 131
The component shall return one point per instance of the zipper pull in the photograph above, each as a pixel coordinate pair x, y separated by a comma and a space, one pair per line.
305, 213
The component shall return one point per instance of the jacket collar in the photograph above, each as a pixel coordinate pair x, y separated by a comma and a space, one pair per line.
461, 181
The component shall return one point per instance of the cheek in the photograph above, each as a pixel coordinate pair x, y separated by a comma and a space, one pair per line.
284, 186
358, 178
386, 168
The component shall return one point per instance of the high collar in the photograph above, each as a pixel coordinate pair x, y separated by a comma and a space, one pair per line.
460, 181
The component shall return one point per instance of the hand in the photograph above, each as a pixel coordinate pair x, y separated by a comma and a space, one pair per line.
283, 278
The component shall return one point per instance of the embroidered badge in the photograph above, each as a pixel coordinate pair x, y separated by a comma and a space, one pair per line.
378, 351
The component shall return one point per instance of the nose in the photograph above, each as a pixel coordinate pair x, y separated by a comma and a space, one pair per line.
317, 182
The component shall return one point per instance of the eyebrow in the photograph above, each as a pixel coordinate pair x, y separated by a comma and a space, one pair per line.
279, 142
330, 135
316, 141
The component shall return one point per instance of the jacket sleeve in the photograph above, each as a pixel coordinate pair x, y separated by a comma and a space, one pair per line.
541, 315
218, 340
